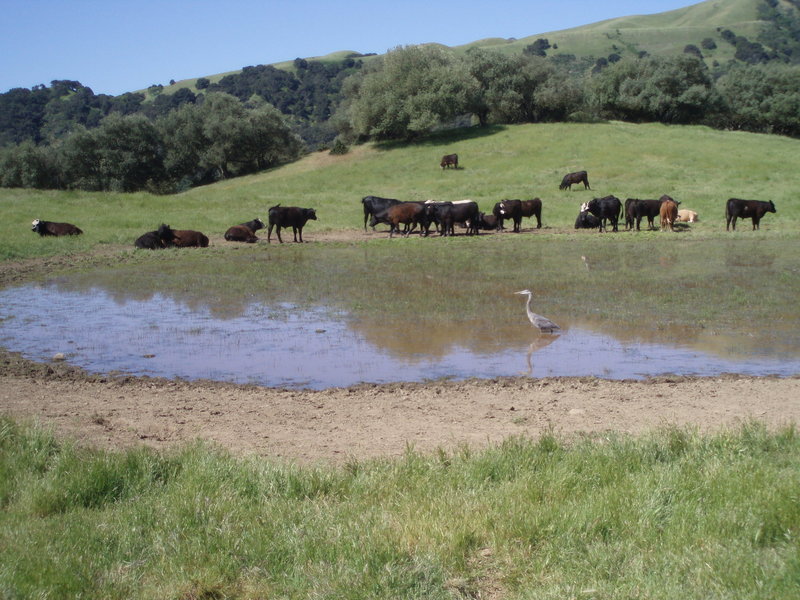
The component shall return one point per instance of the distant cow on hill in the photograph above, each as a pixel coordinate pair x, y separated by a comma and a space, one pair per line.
449, 160
737, 208
577, 177
289, 216
44, 228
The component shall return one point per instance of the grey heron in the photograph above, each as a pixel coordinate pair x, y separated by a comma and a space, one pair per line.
542, 323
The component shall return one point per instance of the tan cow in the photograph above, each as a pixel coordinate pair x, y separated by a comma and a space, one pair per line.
668, 214
687, 216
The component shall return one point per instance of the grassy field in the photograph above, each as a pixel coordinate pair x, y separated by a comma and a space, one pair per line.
698, 166
671, 515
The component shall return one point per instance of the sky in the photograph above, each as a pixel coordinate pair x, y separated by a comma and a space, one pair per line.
116, 46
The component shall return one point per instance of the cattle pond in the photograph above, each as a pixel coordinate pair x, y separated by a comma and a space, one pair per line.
106, 328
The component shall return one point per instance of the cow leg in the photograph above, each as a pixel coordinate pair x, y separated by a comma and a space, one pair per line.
278, 231
538, 222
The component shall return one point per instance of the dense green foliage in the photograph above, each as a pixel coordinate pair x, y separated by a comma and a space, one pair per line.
670, 515
405, 94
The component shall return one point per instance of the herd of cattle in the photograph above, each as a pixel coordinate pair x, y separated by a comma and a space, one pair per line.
595, 214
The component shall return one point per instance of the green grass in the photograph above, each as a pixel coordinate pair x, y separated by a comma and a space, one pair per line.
700, 167
668, 515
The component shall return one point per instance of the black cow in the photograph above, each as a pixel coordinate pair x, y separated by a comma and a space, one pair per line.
447, 214
586, 220
156, 240
289, 216
244, 232
607, 207
375, 206
516, 209
449, 160
577, 177
485, 222
644, 208
736, 208
44, 228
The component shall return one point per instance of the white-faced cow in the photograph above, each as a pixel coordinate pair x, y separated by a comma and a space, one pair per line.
289, 216
736, 208
244, 232
516, 209
449, 160
44, 228
605, 208
577, 177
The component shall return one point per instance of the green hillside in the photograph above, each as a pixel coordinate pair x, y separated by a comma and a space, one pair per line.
699, 166
658, 34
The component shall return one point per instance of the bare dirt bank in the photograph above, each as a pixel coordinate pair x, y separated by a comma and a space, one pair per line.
368, 421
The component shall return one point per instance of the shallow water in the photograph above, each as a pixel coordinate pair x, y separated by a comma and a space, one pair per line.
284, 345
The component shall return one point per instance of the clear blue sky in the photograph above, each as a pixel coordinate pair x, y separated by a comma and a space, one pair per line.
115, 46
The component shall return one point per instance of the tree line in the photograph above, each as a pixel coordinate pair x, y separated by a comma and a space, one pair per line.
67, 137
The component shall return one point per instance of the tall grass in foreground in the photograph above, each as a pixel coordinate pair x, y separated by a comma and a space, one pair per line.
674, 514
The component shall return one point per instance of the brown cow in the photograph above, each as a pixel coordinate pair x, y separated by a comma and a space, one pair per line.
668, 213
449, 160
185, 238
408, 213
245, 232
577, 177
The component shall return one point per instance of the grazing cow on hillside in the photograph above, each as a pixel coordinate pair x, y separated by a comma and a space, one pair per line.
668, 213
447, 214
289, 216
155, 240
449, 160
375, 207
244, 232
607, 207
577, 177
409, 214
687, 216
737, 208
44, 228
586, 220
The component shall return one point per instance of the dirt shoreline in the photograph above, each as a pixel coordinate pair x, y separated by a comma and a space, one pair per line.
364, 421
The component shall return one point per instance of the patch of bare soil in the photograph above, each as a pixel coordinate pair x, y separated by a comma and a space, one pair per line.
368, 421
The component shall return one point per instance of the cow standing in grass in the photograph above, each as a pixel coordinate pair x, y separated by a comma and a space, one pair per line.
737, 208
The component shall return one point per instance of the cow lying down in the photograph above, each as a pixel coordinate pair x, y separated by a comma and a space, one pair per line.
44, 228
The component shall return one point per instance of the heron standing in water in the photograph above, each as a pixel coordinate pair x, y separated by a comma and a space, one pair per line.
542, 323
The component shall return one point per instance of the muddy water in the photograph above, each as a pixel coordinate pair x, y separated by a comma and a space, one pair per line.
284, 345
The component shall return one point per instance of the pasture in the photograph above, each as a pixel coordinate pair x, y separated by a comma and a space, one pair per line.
673, 513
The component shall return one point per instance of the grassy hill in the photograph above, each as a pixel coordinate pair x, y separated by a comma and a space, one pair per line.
699, 166
659, 34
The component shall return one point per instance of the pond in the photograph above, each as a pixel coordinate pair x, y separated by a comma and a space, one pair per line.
314, 346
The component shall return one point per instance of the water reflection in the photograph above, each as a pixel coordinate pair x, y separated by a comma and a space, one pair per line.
283, 345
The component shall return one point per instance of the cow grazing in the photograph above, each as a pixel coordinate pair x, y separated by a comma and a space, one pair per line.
44, 228
736, 208
605, 208
409, 214
449, 160
156, 240
586, 220
447, 214
289, 216
375, 207
244, 232
687, 216
577, 177
668, 214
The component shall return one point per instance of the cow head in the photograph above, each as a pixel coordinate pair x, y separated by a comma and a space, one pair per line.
772, 207
311, 214
584, 207
35, 225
